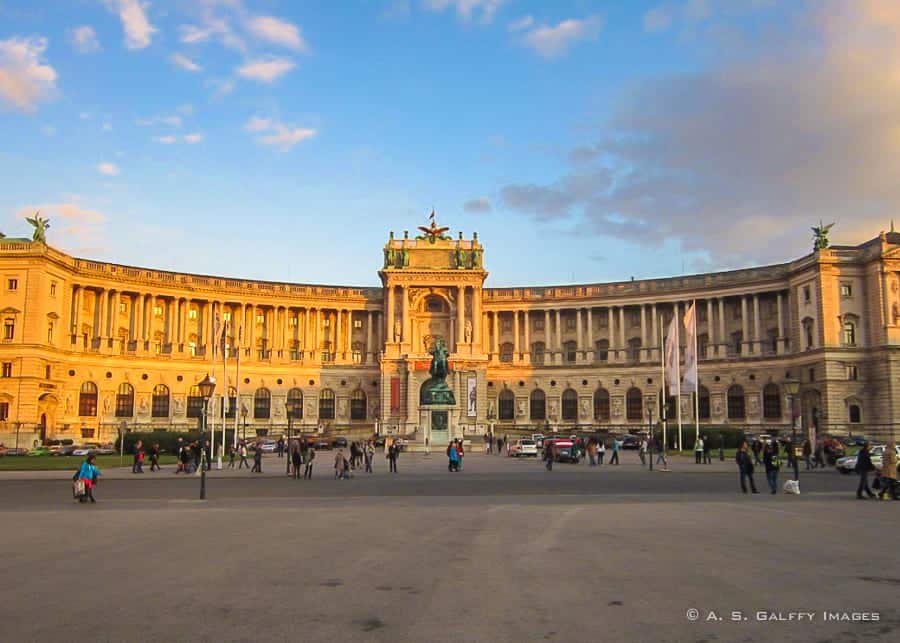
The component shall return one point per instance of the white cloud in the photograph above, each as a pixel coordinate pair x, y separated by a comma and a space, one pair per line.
551, 42
138, 30
657, 19
222, 88
84, 116
180, 60
478, 205
187, 109
84, 39
107, 127
71, 212
25, 80
108, 169
212, 27
465, 9
174, 121
73, 226
192, 139
522, 23
278, 134
277, 31
265, 70
165, 140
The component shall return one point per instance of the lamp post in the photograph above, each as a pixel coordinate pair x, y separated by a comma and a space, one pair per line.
292, 408
207, 385
650, 436
244, 416
791, 388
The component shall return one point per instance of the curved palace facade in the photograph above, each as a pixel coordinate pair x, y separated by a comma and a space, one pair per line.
89, 347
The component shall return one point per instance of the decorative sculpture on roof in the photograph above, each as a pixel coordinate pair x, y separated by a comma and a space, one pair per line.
820, 236
40, 227
433, 232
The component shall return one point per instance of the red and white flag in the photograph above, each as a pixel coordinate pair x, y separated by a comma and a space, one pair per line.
689, 374
671, 361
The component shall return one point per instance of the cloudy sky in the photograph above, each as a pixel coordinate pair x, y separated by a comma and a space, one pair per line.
584, 140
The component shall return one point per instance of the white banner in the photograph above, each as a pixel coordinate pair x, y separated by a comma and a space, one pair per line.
671, 361
472, 397
689, 374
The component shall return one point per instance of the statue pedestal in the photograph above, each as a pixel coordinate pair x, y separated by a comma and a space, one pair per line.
436, 424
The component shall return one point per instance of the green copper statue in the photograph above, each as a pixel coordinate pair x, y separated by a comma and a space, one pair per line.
40, 227
820, 236
435, 390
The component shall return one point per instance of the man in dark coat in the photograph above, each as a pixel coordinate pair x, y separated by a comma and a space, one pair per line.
863, 466
745, 467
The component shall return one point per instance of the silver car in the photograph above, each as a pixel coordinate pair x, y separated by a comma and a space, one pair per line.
847, 464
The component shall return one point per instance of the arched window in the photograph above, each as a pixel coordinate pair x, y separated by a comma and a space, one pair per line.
703, 403
634, 349
358, 405
125, 400
194, 402
507, 404
601, 405
295, 403
634, 405
159, 408
538, 404
771, 402
326, 404
506, 352
538, 350
849, 333
569, 405
736, 409
855, 413
671, 408
569, 351
262, 404
231, 409
602, 352
87, 400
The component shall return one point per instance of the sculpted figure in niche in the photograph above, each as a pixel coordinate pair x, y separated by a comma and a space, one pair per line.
491, 409
468, 332
521, 409
617, 407
585, 408
106, 404
398, 330
179, 406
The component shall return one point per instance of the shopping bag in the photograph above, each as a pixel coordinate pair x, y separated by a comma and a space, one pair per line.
792, 487
78, 488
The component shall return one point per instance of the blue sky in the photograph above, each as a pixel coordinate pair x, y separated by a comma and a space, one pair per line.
584, 141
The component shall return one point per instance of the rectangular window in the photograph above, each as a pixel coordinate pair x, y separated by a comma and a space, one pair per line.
604, 321
123, 307
812, 375
539, 324
192, 314
227, 316
635, 318
4, 411
506, 323
357, 357
807, 294
846, 290
47, 372
192, 349
738, 312
570, 323
852, 372
53, 289
9, 329
7, 369
157, 311
326, 322
701, 313
357, 323
12, 284
50, 333
293, 322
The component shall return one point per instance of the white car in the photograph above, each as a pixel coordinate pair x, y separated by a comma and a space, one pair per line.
847, 464
268, 446
519, 448
86, 449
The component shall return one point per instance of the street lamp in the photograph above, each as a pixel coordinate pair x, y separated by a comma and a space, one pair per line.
650, 436
791, 388
244, 415
292, 407
207, 385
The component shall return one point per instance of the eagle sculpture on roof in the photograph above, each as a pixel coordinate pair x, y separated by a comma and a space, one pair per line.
433, 231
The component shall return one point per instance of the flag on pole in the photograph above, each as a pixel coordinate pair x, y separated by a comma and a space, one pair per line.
689, 374
671, 362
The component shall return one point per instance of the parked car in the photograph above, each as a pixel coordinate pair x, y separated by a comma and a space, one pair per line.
11, 451
86, 449
847, 464
631, 442
67, 449
566, 451
524, 447
538, 439
105, 449
339, 443
268, 446
322, 444
39, 451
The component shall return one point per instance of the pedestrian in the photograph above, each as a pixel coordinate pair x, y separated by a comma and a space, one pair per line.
242, 451
807, 454
721, 447
698, 450
257, 459
369, 455
819, 460
661, 456
772, 464
88, 473
601, 451
757, 448
296, 461
207, 452
231, 455
642, 452
308, 460
707, 448
863, 466
615, 449
592, 452
392, 456
154, 457
185, 457
460, 454
506, 442
792, 459
745, 467
339, 465
452, 457
549, 452
137, 465
280, 446
889, 472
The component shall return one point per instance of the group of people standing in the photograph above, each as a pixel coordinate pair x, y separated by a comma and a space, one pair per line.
137, 463
771, 460
455, 453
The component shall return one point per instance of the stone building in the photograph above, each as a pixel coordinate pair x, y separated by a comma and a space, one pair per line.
89, 347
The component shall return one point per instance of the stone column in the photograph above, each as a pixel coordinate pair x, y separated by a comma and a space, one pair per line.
548, 341
622, 344
496, 335
557, 344
590, 335
643, 352
526, 321
460, 317
516, 348
723, 341
338, 336
781, 342
745, 325
710, 329
579, 337
610, 328
389, 316
141, 329
476, 316
654, 328
368, 354
757, 343
404, 291
100, 328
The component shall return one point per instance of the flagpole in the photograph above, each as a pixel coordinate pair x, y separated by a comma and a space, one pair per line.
237, 383
225, 384
662, 363
678, 374
697, 383
212, 357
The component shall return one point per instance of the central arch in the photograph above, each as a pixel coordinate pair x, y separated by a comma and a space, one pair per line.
432, 315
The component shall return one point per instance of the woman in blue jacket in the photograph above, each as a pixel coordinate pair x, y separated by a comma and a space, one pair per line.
88, 473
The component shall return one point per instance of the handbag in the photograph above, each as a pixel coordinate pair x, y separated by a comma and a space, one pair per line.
78, 488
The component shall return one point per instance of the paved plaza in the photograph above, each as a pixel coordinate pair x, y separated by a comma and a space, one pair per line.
502, 551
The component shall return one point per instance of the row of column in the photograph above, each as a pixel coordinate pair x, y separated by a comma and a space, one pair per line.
718, 342
399, 330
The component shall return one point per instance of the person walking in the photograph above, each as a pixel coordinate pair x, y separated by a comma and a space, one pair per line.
231, 456
642, 452
369, 455
745, 467
549, 453
757, 449
721, 447
460, 454
88, 473
592, 452
452, 457
889, 472
392, 455
863, 466
137, 465
257, 459
698, 450
308, 463
707, 450
207, 452
807, 454
154, 458
661, 455
615, 449
601, 451
792, 459
242, 451
772, 464
280, 447
339, 465
296, 461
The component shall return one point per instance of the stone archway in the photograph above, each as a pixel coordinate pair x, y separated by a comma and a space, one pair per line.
47, 406
431, 317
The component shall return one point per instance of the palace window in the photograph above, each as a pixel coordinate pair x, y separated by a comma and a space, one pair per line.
53, 289
635, 318
601, 405
703, 403
807, 294
358, 405
855, 414
157, 311
852, 372
262, 404
846, 290
849, 333
539, 323
295, 402
87, 400
159, 407
538, 353
506, 352
357, 323
194, 402
193, 313
125, 401
569, 405
604, 321
506, 323
772, 336
737, 311
737, 342
12, 284
9, 329
261, 319
507, 403
47, 372
326, 404
357, 353
634, 405
326, 322
736, 409
634, 349
771, 402
227, 315
538, 404
192, 349
701, 313
703, 348
602, 352
809, 332
570, 351
571, 323
7, 369
4, 411
50, 333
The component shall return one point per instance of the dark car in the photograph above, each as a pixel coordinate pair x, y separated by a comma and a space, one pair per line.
322, 444
339, 443
67, 449
379, 441
631, 442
